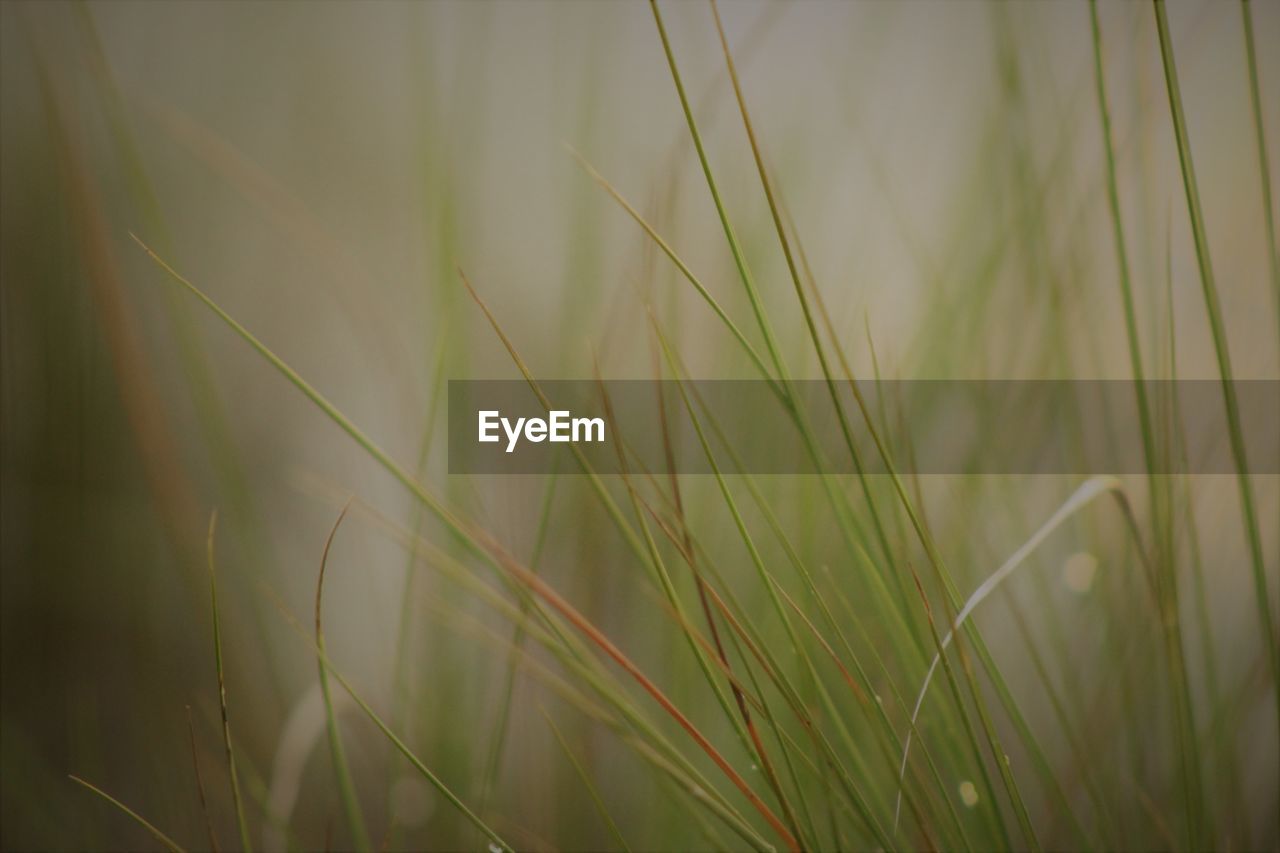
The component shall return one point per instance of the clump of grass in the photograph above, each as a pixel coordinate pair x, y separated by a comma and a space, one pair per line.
746, 661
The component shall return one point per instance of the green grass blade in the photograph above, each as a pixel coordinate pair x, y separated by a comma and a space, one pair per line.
1122, 257
242, 824
168, 842
601, 808
1264, 165
799, 287
1223, 735
400, 746
1217, 329
346, 787
684, 270
204, 802
1159, 497
739, 259
499, 737
1078, 500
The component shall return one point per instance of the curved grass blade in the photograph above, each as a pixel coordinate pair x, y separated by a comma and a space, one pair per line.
574, 617
346, 788
139, 819
204, 802
455, 525
241, 823
400, 746
1082, 496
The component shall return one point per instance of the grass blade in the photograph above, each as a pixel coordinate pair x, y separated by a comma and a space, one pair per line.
1161, 500
684, 270
735, 248
168, 842
589, 785
241, 822
1218, 330
1089, 490
796, 282
346, 788
499, 737
1264, 165
204, 802
400, 746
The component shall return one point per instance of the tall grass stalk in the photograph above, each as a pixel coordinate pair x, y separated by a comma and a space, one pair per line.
1217, 329
499, 737
799, 288
1224, 739
747, 728
346, 787
735, 248
1160, 498
1264, 164
204, 800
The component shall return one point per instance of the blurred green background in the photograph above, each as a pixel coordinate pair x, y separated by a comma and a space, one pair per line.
322, 170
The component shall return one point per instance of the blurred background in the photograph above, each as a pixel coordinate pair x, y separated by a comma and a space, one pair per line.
322, 170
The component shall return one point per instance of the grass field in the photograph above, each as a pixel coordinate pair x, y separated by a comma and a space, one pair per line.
247, 246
